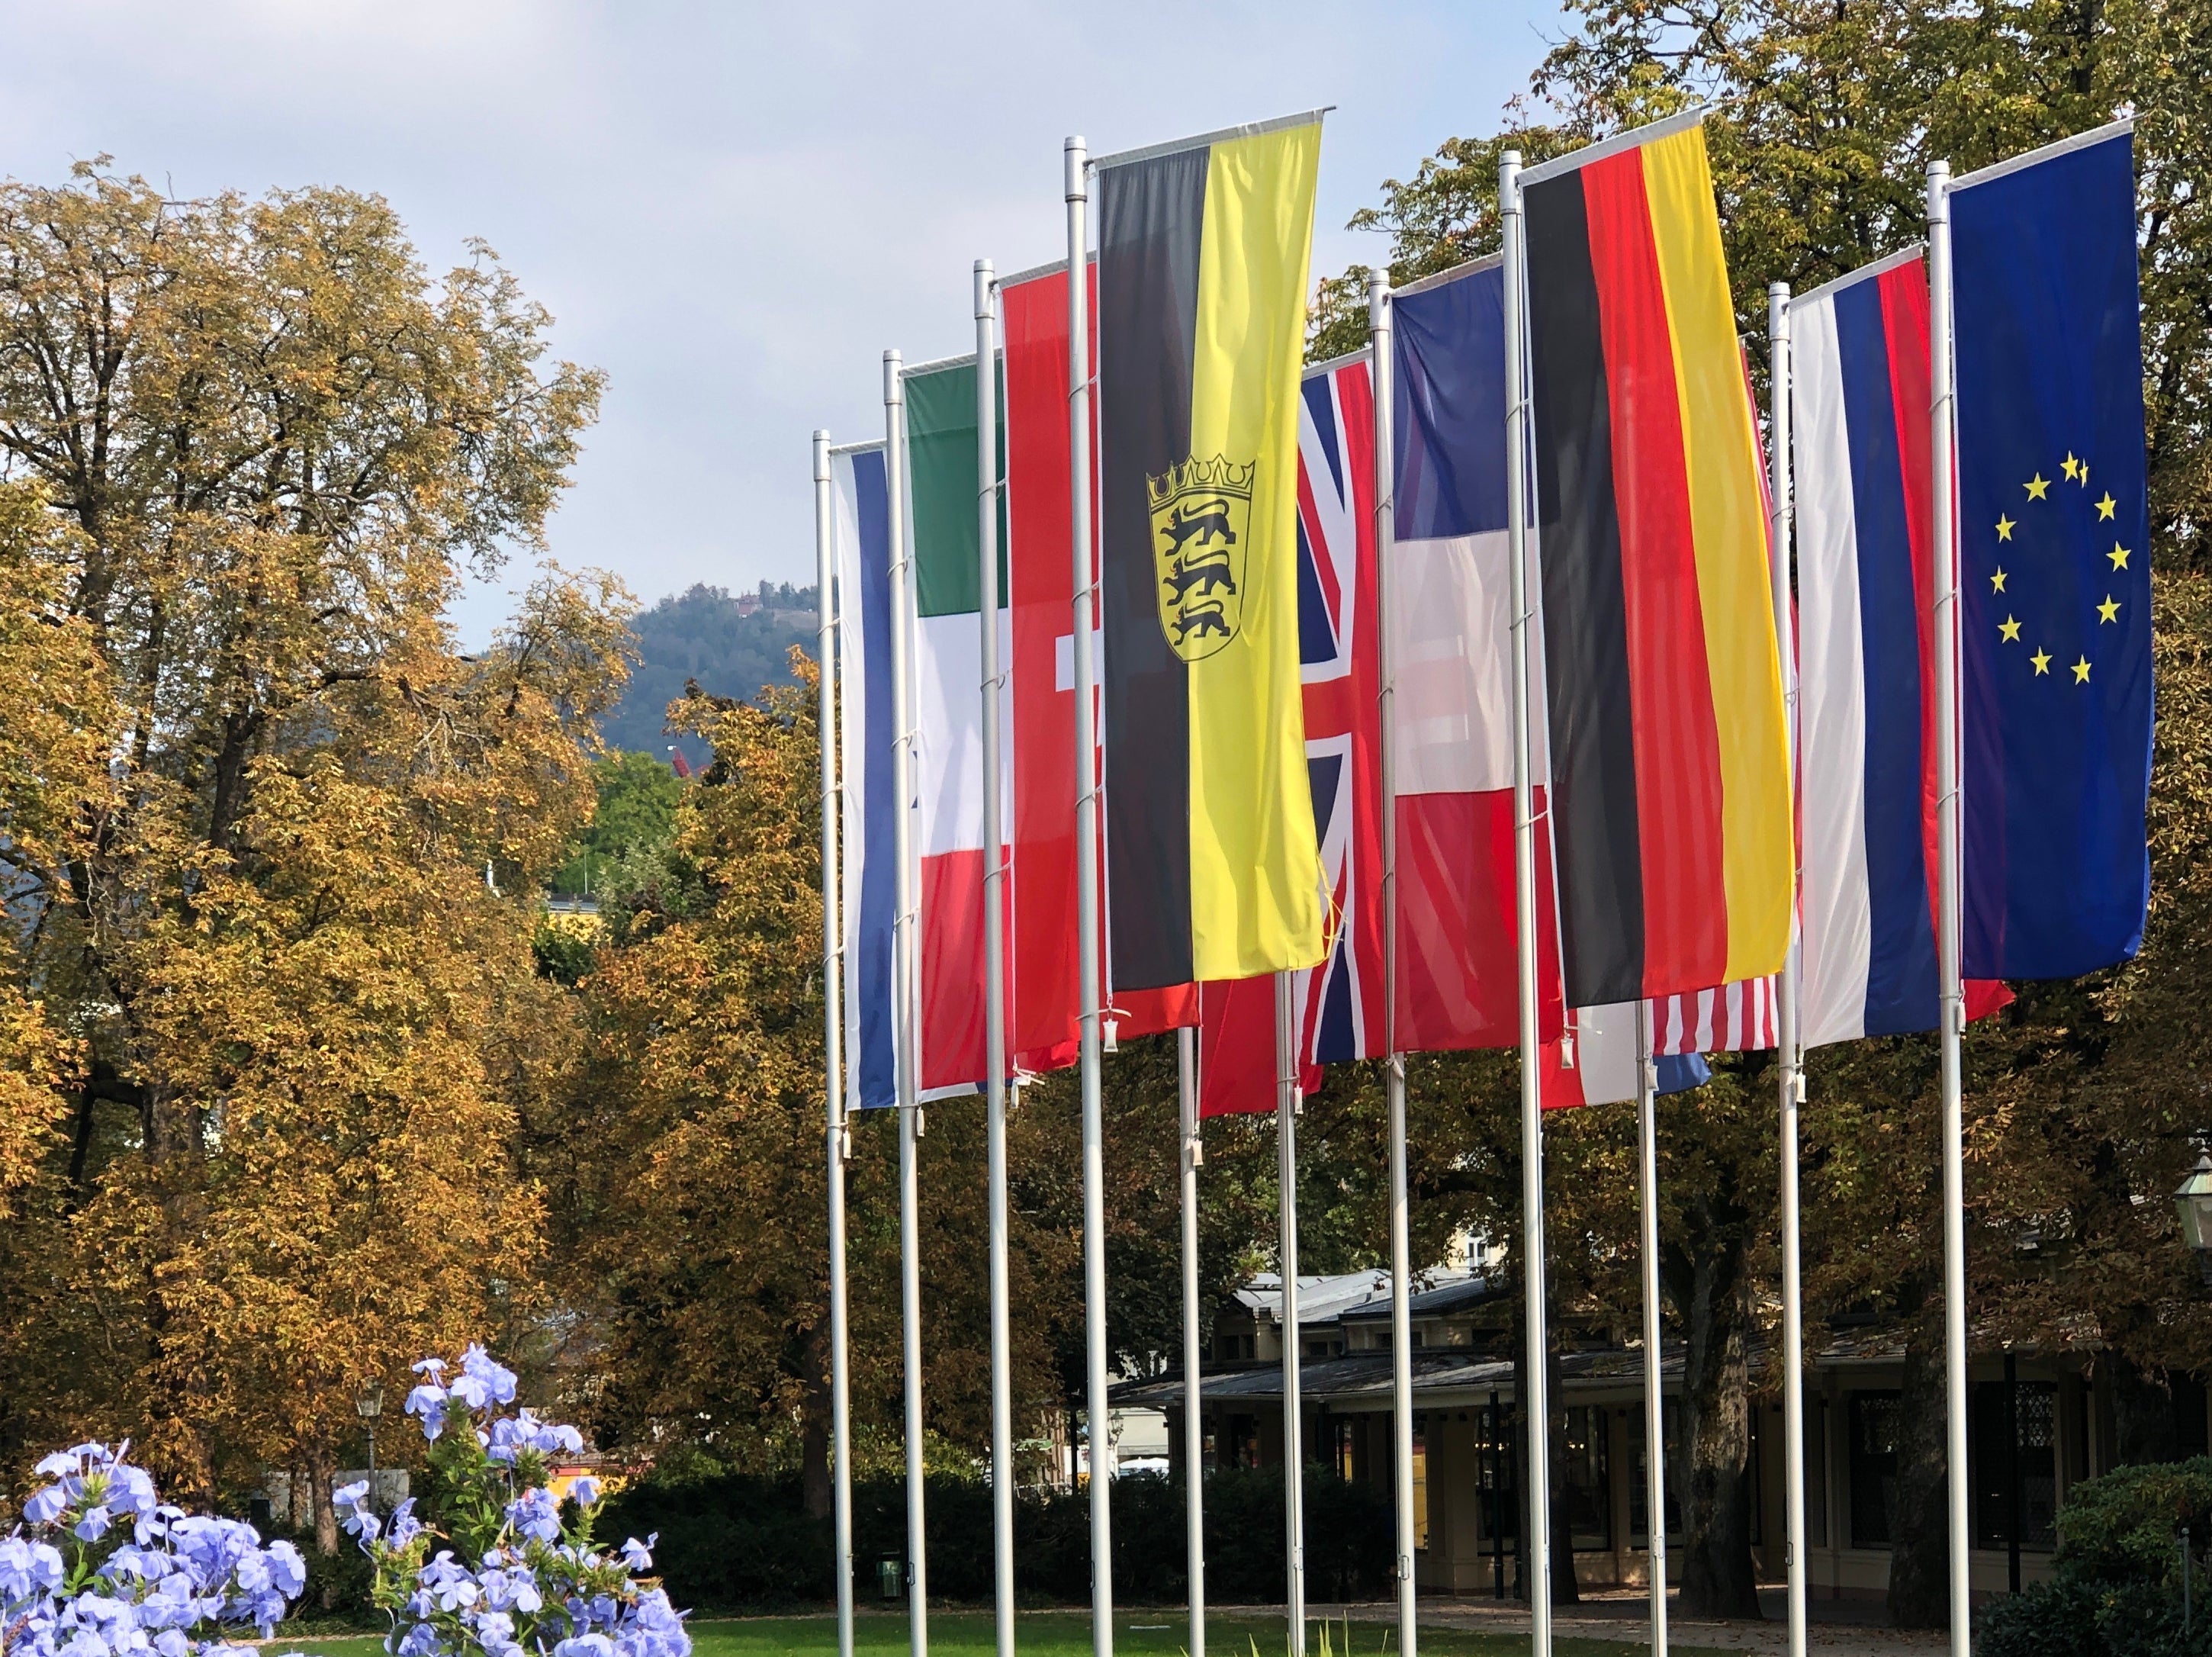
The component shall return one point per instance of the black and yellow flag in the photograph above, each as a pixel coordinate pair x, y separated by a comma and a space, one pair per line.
1214, 869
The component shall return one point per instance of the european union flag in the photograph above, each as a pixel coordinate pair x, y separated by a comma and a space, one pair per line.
2055, 563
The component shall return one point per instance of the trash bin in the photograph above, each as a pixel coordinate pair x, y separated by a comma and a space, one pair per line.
890, 1576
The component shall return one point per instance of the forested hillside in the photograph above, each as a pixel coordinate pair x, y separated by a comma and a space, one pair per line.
732, 643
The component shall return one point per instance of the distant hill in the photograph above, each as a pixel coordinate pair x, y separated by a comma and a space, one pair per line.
732, 643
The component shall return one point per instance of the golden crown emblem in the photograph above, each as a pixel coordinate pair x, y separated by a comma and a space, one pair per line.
1217, 475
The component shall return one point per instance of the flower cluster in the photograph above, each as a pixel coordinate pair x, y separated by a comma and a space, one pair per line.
100, 1567
500, 1574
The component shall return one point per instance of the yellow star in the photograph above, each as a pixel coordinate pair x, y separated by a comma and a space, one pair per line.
2084, 478
2081, 671
2005, 527
2072, 465
2109, 610
1997, 581
2118, 554
2010, 629
2105, 507
2038, 487
2042, 660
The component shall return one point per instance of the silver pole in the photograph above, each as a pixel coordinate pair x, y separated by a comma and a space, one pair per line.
1401, 1261
1944, 603
833, 1034
1286, 1171
995, 958
1098, 1426
1536, 1408
1193, 1423
1655, 1409
1792, 1067
903, 989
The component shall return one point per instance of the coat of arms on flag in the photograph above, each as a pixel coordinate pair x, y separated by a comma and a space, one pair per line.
1201, 520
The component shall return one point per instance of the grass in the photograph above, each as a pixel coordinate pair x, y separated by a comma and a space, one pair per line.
1139, 1633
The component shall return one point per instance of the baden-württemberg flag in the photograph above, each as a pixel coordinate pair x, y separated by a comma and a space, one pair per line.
2054, 535
1213, 867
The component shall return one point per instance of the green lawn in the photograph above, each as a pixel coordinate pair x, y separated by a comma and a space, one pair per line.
1058, 1634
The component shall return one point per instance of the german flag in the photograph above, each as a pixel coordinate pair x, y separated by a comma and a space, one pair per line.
1669, 759
1214, 870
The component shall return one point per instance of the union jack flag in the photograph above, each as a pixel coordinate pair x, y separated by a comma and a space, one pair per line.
1339, 1003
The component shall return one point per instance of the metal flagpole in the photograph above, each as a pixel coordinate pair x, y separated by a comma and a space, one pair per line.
902, 990
1944, 603
1193, 1424
994, 952
1536, 1407
833, 1033
1778, 461
1655, 1409
1099, 1430
1401, 1263
1286, 1168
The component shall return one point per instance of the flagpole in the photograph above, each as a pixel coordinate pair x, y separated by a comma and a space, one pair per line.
1381, 378
1193, 1424
1536, 1407
902, 990
1286, 1151
833, 1033
1655, 1409
1096, 1425
1780, 368
995, 954
1945, 605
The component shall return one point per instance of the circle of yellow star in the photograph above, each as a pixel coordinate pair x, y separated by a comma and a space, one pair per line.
2118, 554
2005, 526
2042, 660
2072, 465
1997, 581
2109, 610
2038, 487
2083, 477
2081, 671
2105, 507
2010, 627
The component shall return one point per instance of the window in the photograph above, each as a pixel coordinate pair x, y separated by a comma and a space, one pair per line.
1497, 1455
1639, 1520
1243, 1441
1420, 1485
1816, 1472
1345, 1460
1588, 1494
2015, 1438
1874, 1467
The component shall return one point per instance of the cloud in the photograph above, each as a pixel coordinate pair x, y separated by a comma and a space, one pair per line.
732, 208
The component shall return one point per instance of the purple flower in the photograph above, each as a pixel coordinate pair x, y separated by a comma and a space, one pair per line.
27, 1568
536, 1515
586, 1491
434, 1367
637, 1555
405, 1527
585, 1645
429, 1402
46, 1506
91, 1525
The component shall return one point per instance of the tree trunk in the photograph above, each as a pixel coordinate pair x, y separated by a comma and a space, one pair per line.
2144, 1427
1919, 1516
1711, 1287
1565, 1591
814, 1426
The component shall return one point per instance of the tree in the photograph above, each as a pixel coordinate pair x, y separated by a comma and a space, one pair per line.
260, 811
635, 811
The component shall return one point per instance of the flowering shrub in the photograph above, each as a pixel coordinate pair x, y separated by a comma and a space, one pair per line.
101, 1567
514, 1581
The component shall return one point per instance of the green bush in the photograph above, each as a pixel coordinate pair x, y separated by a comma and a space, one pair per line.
735, 1542
2116, 1590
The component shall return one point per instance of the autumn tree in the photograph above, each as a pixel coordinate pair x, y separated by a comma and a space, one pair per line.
266, 996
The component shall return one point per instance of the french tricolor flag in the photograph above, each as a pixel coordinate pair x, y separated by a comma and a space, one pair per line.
1867, 697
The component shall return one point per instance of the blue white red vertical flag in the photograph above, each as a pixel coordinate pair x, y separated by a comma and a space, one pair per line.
2054, 532
1867, 700
860, 525
1340, 1002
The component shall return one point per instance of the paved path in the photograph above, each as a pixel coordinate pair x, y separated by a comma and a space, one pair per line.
1838, 1628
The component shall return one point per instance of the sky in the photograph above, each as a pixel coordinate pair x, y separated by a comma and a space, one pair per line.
733, 209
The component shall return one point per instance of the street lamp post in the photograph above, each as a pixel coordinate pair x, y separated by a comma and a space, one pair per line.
368, 1405
2193, 1202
